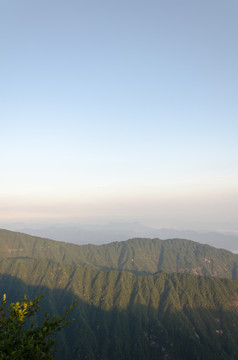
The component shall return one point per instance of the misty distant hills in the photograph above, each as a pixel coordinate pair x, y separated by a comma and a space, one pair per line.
103, 234
91, 234
138, 299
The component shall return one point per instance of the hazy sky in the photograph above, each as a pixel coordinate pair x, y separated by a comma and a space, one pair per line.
120, 109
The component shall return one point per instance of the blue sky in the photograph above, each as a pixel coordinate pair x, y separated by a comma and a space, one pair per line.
123, 110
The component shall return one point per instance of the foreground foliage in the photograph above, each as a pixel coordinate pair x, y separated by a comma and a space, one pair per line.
129, 314
18, 342
125, 316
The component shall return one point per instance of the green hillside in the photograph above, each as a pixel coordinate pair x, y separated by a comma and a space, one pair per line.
136, 299
121, 315
141, 256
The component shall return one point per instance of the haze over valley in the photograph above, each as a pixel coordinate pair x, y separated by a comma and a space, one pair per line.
119, 175
117, 112
107, 233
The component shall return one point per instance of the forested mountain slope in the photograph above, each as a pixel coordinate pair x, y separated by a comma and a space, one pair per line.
141, 256
121, 315
128, 306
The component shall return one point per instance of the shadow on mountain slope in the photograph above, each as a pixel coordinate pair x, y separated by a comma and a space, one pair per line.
139, 331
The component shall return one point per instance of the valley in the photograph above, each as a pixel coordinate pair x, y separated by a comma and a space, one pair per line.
137, 299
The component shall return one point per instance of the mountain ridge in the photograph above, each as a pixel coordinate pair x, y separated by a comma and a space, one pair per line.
123, 315
141, 256
141, 299
102, 234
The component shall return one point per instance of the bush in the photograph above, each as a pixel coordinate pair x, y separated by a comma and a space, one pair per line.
21, 340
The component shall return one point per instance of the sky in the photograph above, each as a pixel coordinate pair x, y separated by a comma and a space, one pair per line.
120, 110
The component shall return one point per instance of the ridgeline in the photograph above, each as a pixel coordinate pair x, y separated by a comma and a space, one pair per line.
141, 299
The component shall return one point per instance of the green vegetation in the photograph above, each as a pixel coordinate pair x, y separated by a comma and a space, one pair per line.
35, 342
129, 313
140, 256
122, 315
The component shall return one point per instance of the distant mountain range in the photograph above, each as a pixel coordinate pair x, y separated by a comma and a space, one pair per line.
138, 299
103, 234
